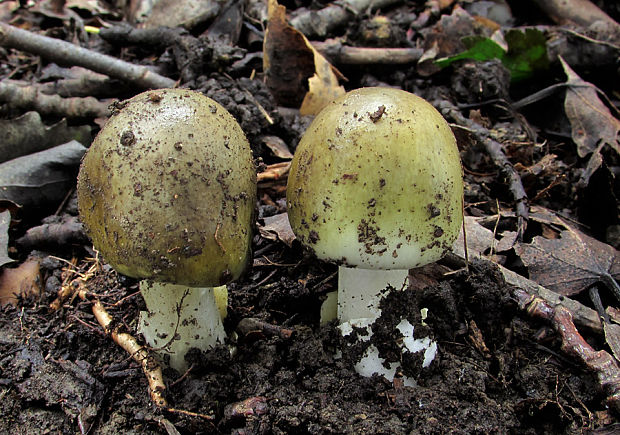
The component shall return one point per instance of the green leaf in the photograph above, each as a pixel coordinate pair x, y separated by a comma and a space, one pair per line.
527, 52
478, 48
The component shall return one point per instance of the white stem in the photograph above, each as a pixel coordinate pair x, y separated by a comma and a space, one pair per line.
361, 290
359, 296
179, 318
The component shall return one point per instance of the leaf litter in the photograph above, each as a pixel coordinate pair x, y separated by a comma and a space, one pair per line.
497, 372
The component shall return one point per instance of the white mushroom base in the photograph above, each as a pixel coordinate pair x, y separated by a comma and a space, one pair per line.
359, 296
179, 318
371, 363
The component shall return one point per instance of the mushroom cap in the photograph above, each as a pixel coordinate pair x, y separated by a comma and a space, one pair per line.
376, 182
167, 190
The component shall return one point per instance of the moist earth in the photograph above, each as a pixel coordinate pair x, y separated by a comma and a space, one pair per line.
60, 372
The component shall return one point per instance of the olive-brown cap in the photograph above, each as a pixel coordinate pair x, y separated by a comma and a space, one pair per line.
168, 188
376, 182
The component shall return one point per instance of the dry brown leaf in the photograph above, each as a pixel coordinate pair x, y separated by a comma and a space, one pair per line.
296, 74
571, 263
479, 239
593, 126
323, 86
24, 280
5, 220
277, 146
173, 13
612, 338
277, 228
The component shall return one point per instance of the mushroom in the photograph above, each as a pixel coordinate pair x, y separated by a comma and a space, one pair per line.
376, 186
167, 193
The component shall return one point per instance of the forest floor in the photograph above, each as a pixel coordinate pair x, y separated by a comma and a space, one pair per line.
526, 323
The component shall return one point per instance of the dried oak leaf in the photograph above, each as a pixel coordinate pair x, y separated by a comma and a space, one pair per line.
571, 263
592, 124
296, 74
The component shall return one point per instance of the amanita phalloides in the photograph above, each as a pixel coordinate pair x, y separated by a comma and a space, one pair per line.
167, 193
376, 186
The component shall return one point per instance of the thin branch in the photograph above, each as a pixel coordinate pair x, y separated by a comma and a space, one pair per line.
494, 149
581, 12
320, 23
63, 52
600, 362
338, 53
30, 98
139, 353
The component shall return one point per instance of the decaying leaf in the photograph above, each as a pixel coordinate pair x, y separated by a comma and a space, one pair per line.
41, 178
444, 38
59, 231
27, 134
173, 13
277, 146
571, 263
5, 220
592, 124
24, 280
277, 228
323, 86
612, 338
479, 239
296, 74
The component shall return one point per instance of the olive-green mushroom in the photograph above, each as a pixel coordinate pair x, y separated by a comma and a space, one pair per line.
376, 186
167, 194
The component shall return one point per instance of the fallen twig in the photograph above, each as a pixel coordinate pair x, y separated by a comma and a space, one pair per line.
276, 171
600, 362
63, 52
64, 232
139, 353
494, 149
30, 98
583, 316
338, 53
190, 53
320, 23
581, 12
251, 326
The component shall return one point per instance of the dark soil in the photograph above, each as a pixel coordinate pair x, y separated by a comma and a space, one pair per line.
59, 371
497, 371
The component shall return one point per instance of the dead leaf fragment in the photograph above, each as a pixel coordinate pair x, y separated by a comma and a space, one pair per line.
28, 134
277, 228
5, 220
479, 239
571, 263
296, 74
174, 13
41, 178
592, 124
277, 146
323, 86
612, 338
24, 280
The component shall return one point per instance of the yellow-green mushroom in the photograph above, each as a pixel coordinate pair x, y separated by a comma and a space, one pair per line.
376, 186
167, 194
